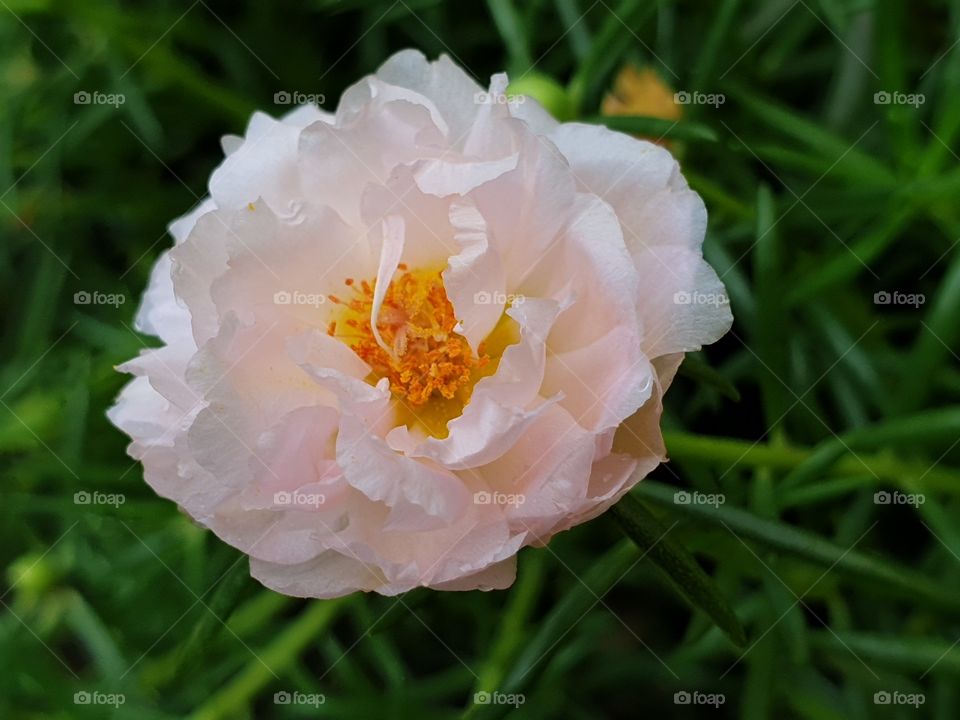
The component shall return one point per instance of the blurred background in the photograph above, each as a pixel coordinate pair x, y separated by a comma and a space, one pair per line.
815, 475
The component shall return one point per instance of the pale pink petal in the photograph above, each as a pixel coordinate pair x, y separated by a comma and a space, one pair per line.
474, 279
328, 575
419, 494
390, 253
264, 166
442, 177
498, 576
448, 87
682, 309
502, 405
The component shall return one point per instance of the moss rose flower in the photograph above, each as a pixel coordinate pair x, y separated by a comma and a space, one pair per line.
406, 340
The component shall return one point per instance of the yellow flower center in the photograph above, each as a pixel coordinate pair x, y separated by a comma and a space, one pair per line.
431, 368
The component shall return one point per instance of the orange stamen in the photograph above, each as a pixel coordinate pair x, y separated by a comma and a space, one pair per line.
426, 358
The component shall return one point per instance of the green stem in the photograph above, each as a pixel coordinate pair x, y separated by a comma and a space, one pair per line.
728, 452
277, 656
511, 633
903, 581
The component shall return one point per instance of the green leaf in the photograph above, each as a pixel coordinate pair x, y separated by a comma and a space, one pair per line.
772, 328
695, 368
938, 335
911, 655
829, 146
279, 655
946, 123
853, 564
399, 608
617, 34
565, 614
911, 475
707, 65
822, 491
577, 33
921, 429
94, 632
684, 572
853, 259
514, 35
223, 601
513, 625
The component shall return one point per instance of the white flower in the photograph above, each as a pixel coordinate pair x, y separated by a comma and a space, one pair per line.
404, 341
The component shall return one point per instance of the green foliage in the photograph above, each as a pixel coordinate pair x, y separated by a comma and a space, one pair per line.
797, 440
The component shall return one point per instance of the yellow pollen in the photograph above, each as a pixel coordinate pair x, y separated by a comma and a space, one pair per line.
424, 359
